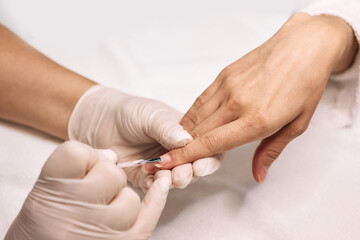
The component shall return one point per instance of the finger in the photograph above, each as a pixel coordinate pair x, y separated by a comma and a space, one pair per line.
228, 136
219, 118
205, 96
123, 210
196, 116
271, 147
150, 169
182, 175
149, 180
207, 166
100, 185
163, 174
165, 128
151, 208
119, 215
71, 159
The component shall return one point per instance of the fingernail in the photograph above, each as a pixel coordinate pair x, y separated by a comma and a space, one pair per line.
262, 174
164, 160
164, 183
148, 168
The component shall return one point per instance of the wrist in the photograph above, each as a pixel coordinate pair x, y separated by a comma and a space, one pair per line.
330, 34
89, 111
349, 44
82, 112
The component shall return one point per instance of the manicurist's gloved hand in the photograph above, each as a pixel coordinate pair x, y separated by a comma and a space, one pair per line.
135, 128
82, 194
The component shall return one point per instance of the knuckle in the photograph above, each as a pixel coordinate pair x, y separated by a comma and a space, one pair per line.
209, 142
260, 120
193, 118
256, 121
195, 134
73, 158
190, 118
200, 100
226, 72
236, 100
297, 130
299, 15
179, 155
271, 155
71, 148
72, 152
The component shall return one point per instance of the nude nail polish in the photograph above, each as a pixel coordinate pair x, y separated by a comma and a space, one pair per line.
262, 174
164, 160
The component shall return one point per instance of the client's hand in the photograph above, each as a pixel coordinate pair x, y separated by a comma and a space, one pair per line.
81, 194
269, 94
135, 128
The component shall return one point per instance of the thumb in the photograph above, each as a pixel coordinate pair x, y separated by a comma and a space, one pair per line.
271, 147
151, 208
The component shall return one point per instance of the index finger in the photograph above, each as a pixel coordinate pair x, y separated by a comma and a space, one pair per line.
187, 121
151, 208
223, 138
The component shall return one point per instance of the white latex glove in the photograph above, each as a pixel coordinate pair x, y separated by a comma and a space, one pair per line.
81, 194
135, 128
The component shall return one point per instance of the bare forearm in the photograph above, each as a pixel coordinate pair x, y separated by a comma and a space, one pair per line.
34, 90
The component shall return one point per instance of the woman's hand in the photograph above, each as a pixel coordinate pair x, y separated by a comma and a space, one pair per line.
269, 94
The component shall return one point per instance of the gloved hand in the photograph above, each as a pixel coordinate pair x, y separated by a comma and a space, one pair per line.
81, 194
135, 128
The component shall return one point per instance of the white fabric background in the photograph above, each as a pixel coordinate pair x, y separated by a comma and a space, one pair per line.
172, 51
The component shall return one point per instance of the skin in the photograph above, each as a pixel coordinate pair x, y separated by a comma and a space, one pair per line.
270, 94
34, 90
